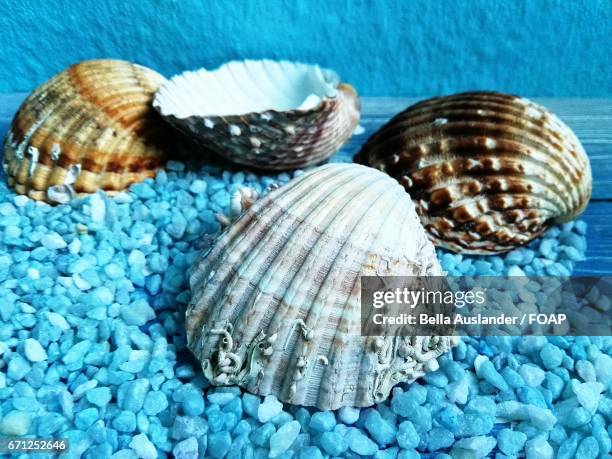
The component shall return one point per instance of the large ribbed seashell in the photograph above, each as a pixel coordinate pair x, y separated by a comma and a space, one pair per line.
487, 172
275, 304
89, 127
264, 114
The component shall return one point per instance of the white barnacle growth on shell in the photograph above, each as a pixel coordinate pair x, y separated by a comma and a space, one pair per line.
490, 143
56, 151
440, 121
241, 200
34, 154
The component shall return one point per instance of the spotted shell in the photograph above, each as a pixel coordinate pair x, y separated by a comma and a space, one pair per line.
275, 304
487, 172
89, 127
264, 114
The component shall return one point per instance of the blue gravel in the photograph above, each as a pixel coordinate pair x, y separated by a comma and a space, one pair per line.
92, 348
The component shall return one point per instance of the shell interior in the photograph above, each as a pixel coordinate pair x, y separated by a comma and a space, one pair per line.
242, 87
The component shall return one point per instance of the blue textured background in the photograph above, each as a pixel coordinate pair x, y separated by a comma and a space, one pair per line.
388, 47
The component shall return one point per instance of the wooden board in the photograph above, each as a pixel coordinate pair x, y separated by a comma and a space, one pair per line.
591, 119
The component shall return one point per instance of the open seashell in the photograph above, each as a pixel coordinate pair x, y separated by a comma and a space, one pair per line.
275, 304
487, 172
89, 127
264, 114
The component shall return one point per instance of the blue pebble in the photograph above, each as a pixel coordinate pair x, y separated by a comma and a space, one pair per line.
473, 424
479, 446
283, 438
453, 370
186, 449
235, 407
486, 370
18, 367
137, 313
251, 404
389, 453
412, 454
360, 443
133, 395
177, 226
439, 438
322, 421
155, 402
310, 452
407, 436
539, 447
269, 408
50, 423
221, 198
114, 271
551, 356
193, 404
333, 443
514, 257
187, 426
404, 404
516, 271
513, 378
242, 428
125, 421
143, 190
219, 444
532, 374
381, 430
221, 398
100, 396
53, 241
511, 442
143, 447
84, 419
586, 370
261, 435
568, 448
348, 415
588, 449
198, 187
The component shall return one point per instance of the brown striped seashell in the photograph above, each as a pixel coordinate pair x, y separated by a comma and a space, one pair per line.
275, 304
487, 172
89, 127
261, 113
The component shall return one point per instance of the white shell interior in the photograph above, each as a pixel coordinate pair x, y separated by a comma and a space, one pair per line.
241, 87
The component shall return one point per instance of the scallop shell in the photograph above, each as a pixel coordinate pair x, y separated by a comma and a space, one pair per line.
487, 172
275, 304
89, 127
264, 114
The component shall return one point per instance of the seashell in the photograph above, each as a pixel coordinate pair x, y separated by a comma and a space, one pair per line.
275, 304
89, 127
487, 172
264, 114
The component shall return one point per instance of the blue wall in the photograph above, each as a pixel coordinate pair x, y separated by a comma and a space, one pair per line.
387, 47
